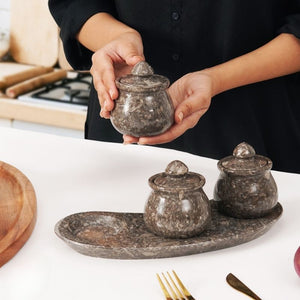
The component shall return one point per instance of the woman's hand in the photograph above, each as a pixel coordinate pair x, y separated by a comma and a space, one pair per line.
191, 96
111, 61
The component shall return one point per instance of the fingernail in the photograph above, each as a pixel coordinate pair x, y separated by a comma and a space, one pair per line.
180, 116
111, 93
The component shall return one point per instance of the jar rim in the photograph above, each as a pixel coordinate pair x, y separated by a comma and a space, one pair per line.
181, 179
232, 165
141, 84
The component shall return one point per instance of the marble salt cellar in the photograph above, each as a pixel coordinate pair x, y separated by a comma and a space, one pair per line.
245, 187
177, 206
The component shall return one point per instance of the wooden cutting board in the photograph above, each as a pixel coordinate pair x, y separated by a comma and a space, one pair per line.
34, 34
17, 211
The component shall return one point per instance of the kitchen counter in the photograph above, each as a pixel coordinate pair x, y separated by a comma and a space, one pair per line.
12, 109
71, 175
42, 114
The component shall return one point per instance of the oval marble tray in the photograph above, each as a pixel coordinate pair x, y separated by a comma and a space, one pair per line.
125, 236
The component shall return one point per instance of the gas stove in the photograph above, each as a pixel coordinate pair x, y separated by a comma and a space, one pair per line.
71, 92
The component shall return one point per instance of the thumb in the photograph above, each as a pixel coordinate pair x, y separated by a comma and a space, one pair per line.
133, 58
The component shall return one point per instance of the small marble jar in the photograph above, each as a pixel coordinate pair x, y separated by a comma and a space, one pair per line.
245, 187
143, 107
177, 206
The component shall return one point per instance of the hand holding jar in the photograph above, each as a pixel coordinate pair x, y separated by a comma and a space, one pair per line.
191, 96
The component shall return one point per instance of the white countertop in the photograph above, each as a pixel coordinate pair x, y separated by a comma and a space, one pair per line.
71, 175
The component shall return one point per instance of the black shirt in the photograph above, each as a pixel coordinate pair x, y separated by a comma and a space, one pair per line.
185, 36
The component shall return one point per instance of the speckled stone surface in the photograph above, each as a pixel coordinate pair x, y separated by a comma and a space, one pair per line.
143, 107
125, 236
245, 187
177, 206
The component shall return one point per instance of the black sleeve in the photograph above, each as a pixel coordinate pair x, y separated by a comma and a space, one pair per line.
292, 20
70, 15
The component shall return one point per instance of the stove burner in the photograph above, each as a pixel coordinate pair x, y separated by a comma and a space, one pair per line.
77, 96
69, 90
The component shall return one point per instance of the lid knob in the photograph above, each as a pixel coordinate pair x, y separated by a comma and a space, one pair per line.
243, 150
142, 69
176, 168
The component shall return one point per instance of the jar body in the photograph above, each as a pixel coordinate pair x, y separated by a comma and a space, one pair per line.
142, 113
179, 214
250, 196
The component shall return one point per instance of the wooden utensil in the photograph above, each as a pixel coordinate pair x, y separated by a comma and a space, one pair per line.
34, 83
17, 211
10, 80
33, 33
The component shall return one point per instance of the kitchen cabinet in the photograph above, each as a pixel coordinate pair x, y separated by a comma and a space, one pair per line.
41, 118
5, 122
18, 124
47, 129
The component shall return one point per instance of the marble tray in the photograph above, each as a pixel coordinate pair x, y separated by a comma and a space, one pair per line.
124, 235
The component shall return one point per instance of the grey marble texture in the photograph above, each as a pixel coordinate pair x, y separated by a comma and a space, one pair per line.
143, 107
177, 206
125, 236
245, 187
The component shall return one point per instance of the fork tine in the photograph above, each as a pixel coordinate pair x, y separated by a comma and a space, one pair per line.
179, 293
164, 289
170, 287
185, 291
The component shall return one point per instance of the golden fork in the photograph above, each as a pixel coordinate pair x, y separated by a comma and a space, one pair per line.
181, 292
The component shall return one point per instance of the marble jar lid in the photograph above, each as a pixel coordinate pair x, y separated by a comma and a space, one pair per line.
244, 161
142, 79
176, 178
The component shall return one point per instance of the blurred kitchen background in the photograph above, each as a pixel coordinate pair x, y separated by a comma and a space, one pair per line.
4, 24
39, 91
4, 13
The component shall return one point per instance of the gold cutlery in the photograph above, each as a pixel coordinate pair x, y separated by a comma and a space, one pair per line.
178, 291
240, 286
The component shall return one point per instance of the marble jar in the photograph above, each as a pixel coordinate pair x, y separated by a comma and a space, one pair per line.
245, 187
177, 206
143, 107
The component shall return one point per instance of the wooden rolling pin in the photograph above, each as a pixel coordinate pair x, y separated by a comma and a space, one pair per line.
12, 79
35, 83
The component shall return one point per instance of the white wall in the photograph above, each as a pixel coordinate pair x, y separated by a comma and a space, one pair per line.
4, 13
